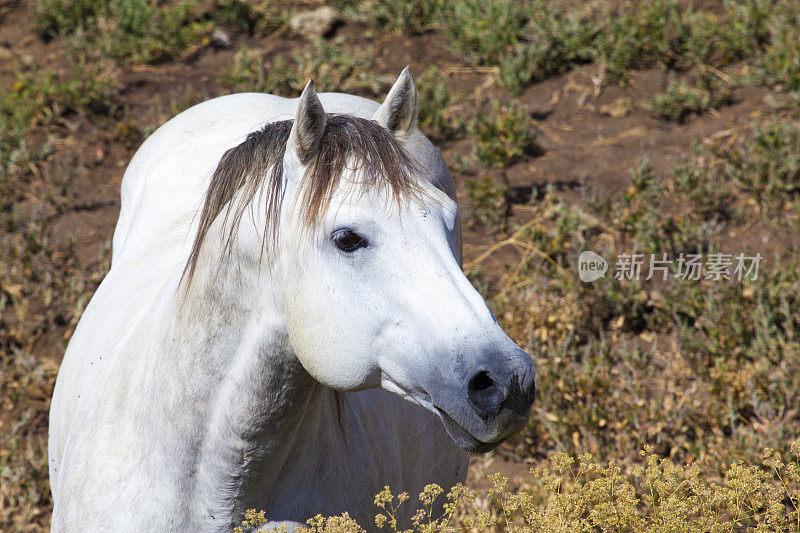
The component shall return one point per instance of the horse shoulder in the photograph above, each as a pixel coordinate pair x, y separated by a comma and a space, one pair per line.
106, 330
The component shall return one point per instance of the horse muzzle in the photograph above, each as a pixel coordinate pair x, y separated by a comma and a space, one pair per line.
492, 404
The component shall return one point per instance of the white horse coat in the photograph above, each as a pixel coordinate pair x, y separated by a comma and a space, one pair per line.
176, 412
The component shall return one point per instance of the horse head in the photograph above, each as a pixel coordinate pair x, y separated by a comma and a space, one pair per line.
365, 270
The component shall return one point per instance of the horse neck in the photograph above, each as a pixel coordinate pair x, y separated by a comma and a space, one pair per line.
251, 409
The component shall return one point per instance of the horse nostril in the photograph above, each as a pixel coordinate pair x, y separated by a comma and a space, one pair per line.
485, 395
481, 382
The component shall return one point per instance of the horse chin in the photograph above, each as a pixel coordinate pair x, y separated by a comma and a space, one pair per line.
463, 438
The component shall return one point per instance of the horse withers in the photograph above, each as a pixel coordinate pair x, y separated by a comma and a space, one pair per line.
285, 274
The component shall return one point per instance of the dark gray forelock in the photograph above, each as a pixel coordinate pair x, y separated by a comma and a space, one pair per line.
257, 165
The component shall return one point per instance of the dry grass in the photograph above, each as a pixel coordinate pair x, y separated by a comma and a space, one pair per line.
577, 494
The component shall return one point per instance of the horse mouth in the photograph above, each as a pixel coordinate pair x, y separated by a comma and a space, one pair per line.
464, 438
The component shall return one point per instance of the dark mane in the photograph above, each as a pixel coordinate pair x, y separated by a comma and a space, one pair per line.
257, 165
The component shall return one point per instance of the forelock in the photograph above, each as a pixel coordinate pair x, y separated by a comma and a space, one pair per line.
257, 165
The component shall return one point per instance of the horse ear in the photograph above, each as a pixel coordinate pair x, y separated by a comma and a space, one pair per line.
398, 113
308, 127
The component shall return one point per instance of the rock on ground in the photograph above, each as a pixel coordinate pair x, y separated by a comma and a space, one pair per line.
317, 23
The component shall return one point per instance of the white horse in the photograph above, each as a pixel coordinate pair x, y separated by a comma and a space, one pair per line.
256, 353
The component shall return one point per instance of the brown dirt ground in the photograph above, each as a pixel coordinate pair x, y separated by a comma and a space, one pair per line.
581, 144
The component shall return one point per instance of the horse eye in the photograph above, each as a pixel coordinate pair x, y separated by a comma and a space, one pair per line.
348, 240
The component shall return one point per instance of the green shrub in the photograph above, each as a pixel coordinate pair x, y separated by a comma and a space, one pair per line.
682, 98
252, 17
644, 217
766, 166
37, 98
709, 194
331, 65
139, 31
780, 62
247, 71
62, 17
527, 41
394, 16
640, 36
719, 40
436, 117
489, 203
553, 41
485, 31
403, 15
502, 135
669, 34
